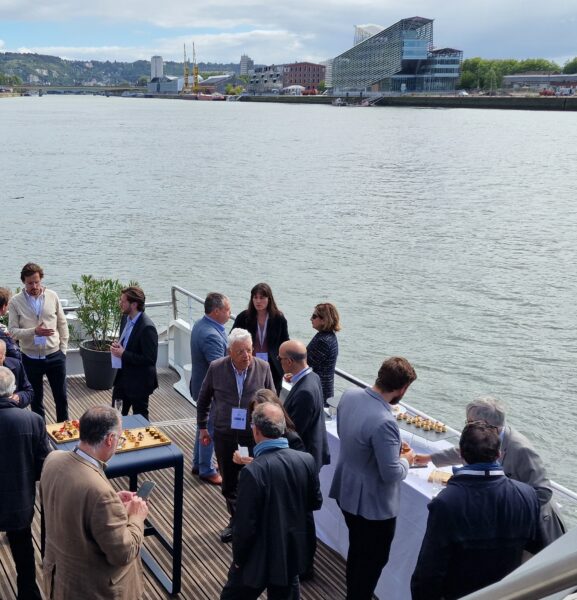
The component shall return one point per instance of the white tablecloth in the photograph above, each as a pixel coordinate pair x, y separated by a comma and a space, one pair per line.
416, 492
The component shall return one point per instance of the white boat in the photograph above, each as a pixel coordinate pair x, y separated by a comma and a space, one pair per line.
416, 491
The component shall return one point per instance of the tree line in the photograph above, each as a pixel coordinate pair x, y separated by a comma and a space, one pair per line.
482, 73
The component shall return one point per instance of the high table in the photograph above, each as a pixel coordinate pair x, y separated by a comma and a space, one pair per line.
416, 492
131, 465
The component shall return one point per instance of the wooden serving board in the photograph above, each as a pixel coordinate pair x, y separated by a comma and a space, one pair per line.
66, 431
141, 438
131, 439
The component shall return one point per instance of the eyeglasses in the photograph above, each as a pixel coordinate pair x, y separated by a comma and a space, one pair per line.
316, 316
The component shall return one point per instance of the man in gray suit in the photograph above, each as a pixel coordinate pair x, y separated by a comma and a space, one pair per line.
208, 342
519, 459
369, 471
228, 387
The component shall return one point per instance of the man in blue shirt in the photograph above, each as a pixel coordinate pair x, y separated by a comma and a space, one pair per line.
208, 342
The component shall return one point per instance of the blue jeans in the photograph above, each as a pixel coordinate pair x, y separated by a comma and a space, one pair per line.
202, 455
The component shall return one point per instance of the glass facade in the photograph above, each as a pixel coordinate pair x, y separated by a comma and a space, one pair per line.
400, 58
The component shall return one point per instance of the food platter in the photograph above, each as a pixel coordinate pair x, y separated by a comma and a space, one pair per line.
66, 431
428, 429
439, 477
131, 439
141, 438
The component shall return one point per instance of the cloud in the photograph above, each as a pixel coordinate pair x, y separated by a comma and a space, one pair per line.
273, 32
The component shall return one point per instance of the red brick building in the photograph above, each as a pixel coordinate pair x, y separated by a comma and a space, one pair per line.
307, 74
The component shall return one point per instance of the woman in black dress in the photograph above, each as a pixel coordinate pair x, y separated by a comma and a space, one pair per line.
323, 349
267, 326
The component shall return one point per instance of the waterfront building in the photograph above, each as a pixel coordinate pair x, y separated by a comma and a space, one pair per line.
328, 72
306, 74
363, 32
246, 64
401, 58
165, 85
265, 80
156, 67
563, 83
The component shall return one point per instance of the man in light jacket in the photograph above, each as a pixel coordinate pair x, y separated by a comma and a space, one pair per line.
37, 321
368, 476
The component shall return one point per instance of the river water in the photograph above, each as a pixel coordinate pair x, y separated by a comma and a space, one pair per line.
446, 236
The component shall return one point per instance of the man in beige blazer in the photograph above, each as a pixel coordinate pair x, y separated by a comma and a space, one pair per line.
93, 532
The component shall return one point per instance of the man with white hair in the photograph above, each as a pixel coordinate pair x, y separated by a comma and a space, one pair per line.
23, 448
229, 386
23, 394
519, 459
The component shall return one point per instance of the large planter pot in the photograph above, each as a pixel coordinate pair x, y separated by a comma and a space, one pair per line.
97, 367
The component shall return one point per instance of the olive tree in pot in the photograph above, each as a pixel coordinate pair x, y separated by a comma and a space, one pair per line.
99, 315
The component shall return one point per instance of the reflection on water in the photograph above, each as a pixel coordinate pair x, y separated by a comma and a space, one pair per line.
447, 236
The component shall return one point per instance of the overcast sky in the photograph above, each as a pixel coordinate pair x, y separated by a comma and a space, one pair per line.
273, 31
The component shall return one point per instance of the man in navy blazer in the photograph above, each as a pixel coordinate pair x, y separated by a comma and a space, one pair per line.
24, 392
368, 476
304, 403
137, 350
208, 341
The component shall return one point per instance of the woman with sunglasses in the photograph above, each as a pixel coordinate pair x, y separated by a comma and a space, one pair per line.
267, 326
323, 349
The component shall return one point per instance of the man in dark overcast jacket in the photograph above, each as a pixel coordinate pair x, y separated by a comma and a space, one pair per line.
23, 448
275, 493
478, 526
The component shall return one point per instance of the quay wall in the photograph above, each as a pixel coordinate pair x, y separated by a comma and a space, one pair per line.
555, 103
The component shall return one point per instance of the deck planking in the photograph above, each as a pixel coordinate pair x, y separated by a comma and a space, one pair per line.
205, 559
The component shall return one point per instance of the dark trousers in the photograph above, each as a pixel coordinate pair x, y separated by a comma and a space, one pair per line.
369, 546
20, 541
54, 367
234, 588
224, 447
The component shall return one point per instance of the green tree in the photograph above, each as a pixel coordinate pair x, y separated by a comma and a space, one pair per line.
10, 79
322, 86
570, 66
142, 81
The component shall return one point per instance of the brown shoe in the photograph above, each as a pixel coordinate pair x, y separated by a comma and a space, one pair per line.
215, 479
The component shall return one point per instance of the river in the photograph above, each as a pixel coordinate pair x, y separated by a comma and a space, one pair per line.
446, 236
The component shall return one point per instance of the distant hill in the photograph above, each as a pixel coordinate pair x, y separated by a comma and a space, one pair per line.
52, 70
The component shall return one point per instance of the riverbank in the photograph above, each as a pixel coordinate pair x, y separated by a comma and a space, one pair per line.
555, 103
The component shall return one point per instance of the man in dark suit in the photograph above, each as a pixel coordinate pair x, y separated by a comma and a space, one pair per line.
208, 341
23, 448
275, 493
24, 393
137, 350
304, 403
228, 387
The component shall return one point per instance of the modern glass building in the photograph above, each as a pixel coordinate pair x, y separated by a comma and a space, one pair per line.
400, 58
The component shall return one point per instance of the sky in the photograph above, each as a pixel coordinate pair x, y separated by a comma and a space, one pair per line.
275, 32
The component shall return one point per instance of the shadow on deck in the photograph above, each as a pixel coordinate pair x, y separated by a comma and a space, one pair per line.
205, 559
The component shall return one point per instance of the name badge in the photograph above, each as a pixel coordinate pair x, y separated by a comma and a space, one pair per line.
262, 355
238, 418
39, 340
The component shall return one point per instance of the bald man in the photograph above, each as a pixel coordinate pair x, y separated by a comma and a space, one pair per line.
304, 403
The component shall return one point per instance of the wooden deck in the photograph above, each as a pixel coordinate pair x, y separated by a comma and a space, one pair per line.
205, 559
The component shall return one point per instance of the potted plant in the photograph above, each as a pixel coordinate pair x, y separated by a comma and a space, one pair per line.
99, 315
